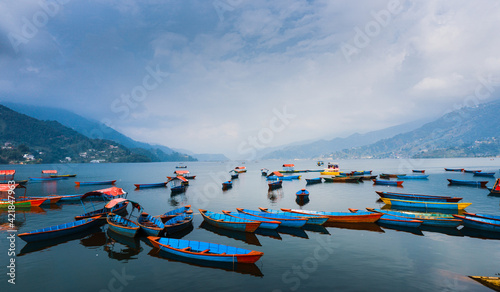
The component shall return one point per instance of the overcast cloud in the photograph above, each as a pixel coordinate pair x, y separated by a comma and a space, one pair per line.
207, 75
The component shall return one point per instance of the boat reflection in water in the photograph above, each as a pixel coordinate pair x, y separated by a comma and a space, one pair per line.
448, 231
122, 248
413, 230
245, 269
268, 232
355, 226
295, 232
316, 228
248, 237
275, 196
477, 233
96, 239
302, 201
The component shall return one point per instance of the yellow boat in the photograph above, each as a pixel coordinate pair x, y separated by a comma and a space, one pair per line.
332, 169
490, 282
426, 204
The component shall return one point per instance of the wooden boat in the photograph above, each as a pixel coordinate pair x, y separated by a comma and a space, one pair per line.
152, 185
59, 230
485, 216
311, 219
173, 213
49, 200
205, 251
116, 206
341, 217
264, 223
480, 223
413, 176
388, 182
472, 170
7, 174
19, 182
431, 219
487, 174
264, 171
302, 194
490, 282
320, 163
234, 174
426, 204
495, 190
102, 182
418, 170
45, 178
332, 169
62, 175
342, 179
275, 184
316, 180
391, 175
286, 221
240, 169
417, 197
473, 183
229, 222
454, 169
227, 185
282, 177
181, 166
22, 202
185, 174
178, 223
122, 225
152, 226
399, 221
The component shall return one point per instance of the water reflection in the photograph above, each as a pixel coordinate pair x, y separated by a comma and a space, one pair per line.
355, 226
177, 199
96, 239
248, 237
268, 232
295, 232
448, 231
477, 233
394, 208
275, 195
413, 230
315, 228
122, 248
301, 201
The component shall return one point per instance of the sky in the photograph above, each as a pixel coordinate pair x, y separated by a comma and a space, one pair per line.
231, 76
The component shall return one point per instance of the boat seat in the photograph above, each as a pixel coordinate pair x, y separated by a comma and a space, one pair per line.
186, 249
205, 251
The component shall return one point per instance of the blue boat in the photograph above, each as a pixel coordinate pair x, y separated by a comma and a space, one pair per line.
150, 225
473, 183
205, 251
485, 216
59, 230
311, 219
227, 185
302, 194
178, 223
275, 185
399, 221
286, 221
454, 169
388, 182
425, 205
316, 180
288, 177
487, 174
264, 223
417, 197
229, 222
45, 178
178, 184
102, 182
480, 223
116, 207
122, 225
472, 170
179, 211
431, 219
153, 185
418, 170
423, 176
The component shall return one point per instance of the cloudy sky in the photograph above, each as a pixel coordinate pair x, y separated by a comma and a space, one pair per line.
220, 76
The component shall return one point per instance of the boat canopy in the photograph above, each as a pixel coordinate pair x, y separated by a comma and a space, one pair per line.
181, 172
496, 187
288, 165
276, 173
7, 187
303, 192
181, 178
115, 202
240, 167
49, 171
7, 172
110, 192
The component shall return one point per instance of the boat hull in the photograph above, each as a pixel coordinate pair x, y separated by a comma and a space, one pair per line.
154, 185
285, 222
417, 197
480, 223
426, 205
473, 183
228, 222
341, 217
104, 182
59, 230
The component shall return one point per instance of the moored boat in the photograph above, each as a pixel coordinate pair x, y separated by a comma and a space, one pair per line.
176, 212
311, 219
59, 230
417, 197
495, 190
275, 184
399, 221
472, 170
102, 182
484, 174
205, 251
240, 169
490, 282
302, 194
343, 217
122, 225
418, 170
332, 169
480, 223
431, 219
264, 171
473, 183
388, 182
426, 204
117, 206
227, 185
264, 223
286, 221
391, 175
229, 222
150, 225
454, 169
316, 180
45, 178
178, 184
62, 175
342, 179
178, 223
150, 185
484, 216
424, 176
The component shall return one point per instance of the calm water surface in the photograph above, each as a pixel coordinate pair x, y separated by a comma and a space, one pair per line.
340, 258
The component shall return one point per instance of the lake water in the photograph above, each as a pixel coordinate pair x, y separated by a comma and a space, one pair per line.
342, 258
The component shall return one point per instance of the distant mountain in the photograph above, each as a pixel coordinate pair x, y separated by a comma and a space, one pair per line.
97, 130
211, 157
322, 147
468, 132
26, 139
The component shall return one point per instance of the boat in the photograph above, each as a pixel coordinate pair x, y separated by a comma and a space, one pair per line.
316, 180
59, 230
388, 182
472, 170
7, 197
399, 221
391, 175
417, 197
286, 221
288, 177
116, 206
495, 190
151, 185
302, 194
7, 174
275, 184
173, 213
480, 223
181, 166
413, 176
109, 193
332, 169
454, 169
431, 219
49, 200
264, 223
152, 226
426, 204
177, 184
342, 179
102, 182
264, 171
229, 222
320, 163
341, 217
490, 282
487, 174
485, 216
122, 226
474, 183
240, 169
227, 185
234, 174
205, 251
311, 219
185, 174
418, 170
45, 178
178, 223
62, 175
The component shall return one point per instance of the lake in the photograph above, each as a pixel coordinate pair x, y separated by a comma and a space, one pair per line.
353, 257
